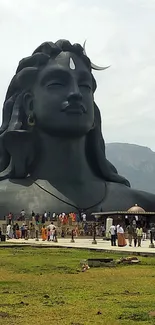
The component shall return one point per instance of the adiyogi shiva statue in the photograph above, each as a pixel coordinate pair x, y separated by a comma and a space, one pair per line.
52, 152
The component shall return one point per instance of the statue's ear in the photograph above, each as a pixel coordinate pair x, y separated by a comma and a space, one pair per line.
28, 103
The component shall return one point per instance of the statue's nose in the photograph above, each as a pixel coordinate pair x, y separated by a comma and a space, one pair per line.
75, 96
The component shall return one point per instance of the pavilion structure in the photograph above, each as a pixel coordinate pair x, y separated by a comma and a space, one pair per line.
136, 213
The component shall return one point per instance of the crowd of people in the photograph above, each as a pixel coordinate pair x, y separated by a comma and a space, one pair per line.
50, 225
32, 231
24, 232
135, 234
63, 218
50, 231
38, 227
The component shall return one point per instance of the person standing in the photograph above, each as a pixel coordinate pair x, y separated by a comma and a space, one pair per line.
120, 236
43, 220
22, 231
37, 218
43, 233
14, 231
54, 234
32, 230
10, 217
103, 231
144, 233
112, 231
22, 214
85, 229
130, 230
48, 234
33, 215
17, 231
51, 228
139, 232
76, 231
8, 231
134, 223
45, 215
84, 217
27, 232
49, 216
52, 216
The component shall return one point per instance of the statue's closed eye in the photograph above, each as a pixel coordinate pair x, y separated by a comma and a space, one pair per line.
54, 84
86, 86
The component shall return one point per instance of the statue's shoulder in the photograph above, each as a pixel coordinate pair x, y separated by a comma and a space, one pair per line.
18, 194
25, 193
145, 200
124, 197
14, 184
13, 190
5, 186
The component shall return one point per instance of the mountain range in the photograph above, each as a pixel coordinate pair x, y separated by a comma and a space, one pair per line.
134, 162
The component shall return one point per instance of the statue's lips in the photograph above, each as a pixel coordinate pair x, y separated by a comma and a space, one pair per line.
77, 108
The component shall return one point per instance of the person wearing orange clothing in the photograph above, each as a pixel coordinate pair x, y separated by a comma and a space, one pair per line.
43, 233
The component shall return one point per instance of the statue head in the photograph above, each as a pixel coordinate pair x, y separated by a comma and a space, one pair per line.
52, 91
59, 96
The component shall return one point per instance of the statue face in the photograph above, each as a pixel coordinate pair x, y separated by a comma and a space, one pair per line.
63, 97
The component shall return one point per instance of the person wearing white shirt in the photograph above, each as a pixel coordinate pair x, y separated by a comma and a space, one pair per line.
120, 230
51, 227
121, 237
45, 215
112, 231
117, 226
84, 217
8, 231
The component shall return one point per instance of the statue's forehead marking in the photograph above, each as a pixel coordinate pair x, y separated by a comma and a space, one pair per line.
71, 64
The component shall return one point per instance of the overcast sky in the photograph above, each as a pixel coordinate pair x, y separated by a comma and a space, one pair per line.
120, 33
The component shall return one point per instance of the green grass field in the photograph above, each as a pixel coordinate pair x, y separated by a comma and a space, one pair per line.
46, 286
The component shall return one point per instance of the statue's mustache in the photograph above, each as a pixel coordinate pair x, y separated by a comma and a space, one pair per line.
73, 105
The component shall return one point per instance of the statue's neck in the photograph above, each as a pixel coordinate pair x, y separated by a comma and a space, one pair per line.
62, 159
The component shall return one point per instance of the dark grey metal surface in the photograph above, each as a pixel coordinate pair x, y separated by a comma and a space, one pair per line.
52, 153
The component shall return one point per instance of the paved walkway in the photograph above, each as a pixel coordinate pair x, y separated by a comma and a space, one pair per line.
83, 243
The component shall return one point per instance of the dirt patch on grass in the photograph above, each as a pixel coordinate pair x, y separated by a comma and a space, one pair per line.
22, 303
143, 317
128, 293
4, 315
76, 323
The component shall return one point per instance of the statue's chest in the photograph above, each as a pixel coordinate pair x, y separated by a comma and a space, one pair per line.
41, 196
